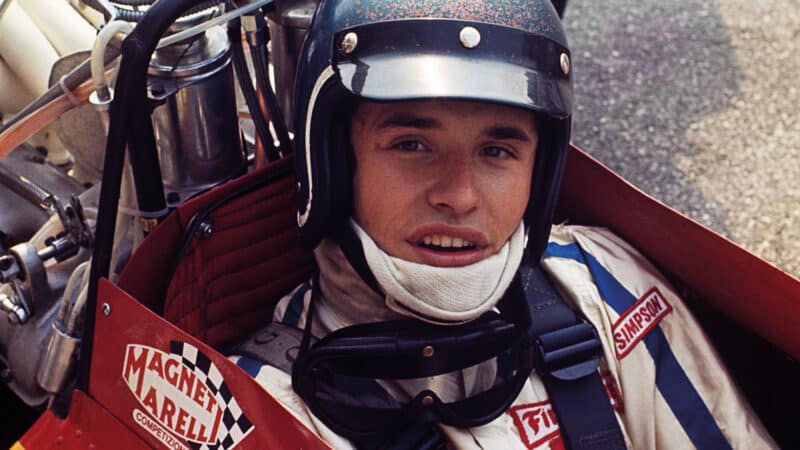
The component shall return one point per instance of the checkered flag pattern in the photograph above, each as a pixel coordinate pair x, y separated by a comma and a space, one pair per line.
235, 425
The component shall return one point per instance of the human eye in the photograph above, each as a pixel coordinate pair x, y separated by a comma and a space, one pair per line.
497, 151
410, 145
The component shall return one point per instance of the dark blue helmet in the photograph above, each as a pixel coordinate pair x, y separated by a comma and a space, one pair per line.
504, 51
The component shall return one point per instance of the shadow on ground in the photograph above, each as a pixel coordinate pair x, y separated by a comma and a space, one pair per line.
645, 73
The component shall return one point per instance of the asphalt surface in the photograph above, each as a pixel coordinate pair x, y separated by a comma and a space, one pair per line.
698, 103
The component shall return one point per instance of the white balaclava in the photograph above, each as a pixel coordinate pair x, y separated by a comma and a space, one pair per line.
444, 295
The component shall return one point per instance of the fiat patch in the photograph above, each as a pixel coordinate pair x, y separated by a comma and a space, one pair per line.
536, 423
184, 398
634, 324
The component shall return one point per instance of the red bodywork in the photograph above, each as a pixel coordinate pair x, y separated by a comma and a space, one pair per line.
736, 283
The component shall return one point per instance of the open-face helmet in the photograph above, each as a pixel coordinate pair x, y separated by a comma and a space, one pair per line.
511, 52
504, 51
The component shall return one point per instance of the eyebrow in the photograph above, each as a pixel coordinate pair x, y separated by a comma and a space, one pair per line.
502, 133
409, 120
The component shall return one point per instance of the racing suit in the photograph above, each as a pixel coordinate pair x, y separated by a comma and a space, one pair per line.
665, 382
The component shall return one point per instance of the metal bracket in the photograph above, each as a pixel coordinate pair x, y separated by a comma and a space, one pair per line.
74, 222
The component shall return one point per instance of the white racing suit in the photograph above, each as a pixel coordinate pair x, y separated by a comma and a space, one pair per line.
665, 382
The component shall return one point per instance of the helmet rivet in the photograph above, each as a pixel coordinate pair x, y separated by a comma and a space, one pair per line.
427, 400
469, 37
349, 43
565, 63
427, 351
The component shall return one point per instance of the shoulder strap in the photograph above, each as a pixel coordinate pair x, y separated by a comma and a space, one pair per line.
569, 354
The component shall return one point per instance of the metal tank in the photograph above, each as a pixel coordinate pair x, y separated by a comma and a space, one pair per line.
196, 124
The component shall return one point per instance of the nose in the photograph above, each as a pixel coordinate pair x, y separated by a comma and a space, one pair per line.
454, 188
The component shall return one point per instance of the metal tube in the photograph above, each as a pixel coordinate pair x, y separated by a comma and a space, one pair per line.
200, 28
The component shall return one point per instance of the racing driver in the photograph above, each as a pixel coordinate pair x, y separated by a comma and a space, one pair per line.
430, 140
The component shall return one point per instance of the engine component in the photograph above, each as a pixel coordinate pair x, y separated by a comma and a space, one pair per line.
26, 180
45, 231
58, 360
44, 275
21, 39
197, 127
29, 289
64, 27
11, 305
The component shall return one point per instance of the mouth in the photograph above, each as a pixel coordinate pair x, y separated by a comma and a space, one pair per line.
448, 245
445, 243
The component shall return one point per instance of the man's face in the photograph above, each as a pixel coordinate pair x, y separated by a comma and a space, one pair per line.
442, 183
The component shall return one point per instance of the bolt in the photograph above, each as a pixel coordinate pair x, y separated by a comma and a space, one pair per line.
470, 37
106, 309
349, 43
205, 230
427, 400
565, 63
427, 351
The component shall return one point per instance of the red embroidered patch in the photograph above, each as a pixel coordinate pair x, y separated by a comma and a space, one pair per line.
536, 423
634, 324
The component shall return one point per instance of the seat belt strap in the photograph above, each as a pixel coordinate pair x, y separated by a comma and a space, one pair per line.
569, 353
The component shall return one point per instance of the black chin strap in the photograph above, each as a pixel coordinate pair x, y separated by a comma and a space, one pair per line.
354, 252
569, 355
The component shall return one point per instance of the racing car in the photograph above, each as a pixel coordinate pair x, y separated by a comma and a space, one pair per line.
126, 279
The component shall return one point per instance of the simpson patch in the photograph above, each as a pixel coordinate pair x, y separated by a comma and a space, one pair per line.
638, 320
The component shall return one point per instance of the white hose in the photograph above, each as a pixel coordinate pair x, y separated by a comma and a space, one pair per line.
26, 49
98, 54
66, 30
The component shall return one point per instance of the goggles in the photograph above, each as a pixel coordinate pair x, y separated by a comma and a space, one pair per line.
372, 381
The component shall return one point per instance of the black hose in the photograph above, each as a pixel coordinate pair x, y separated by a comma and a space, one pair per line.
130, 106
145, 166
246, 85
258, 50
